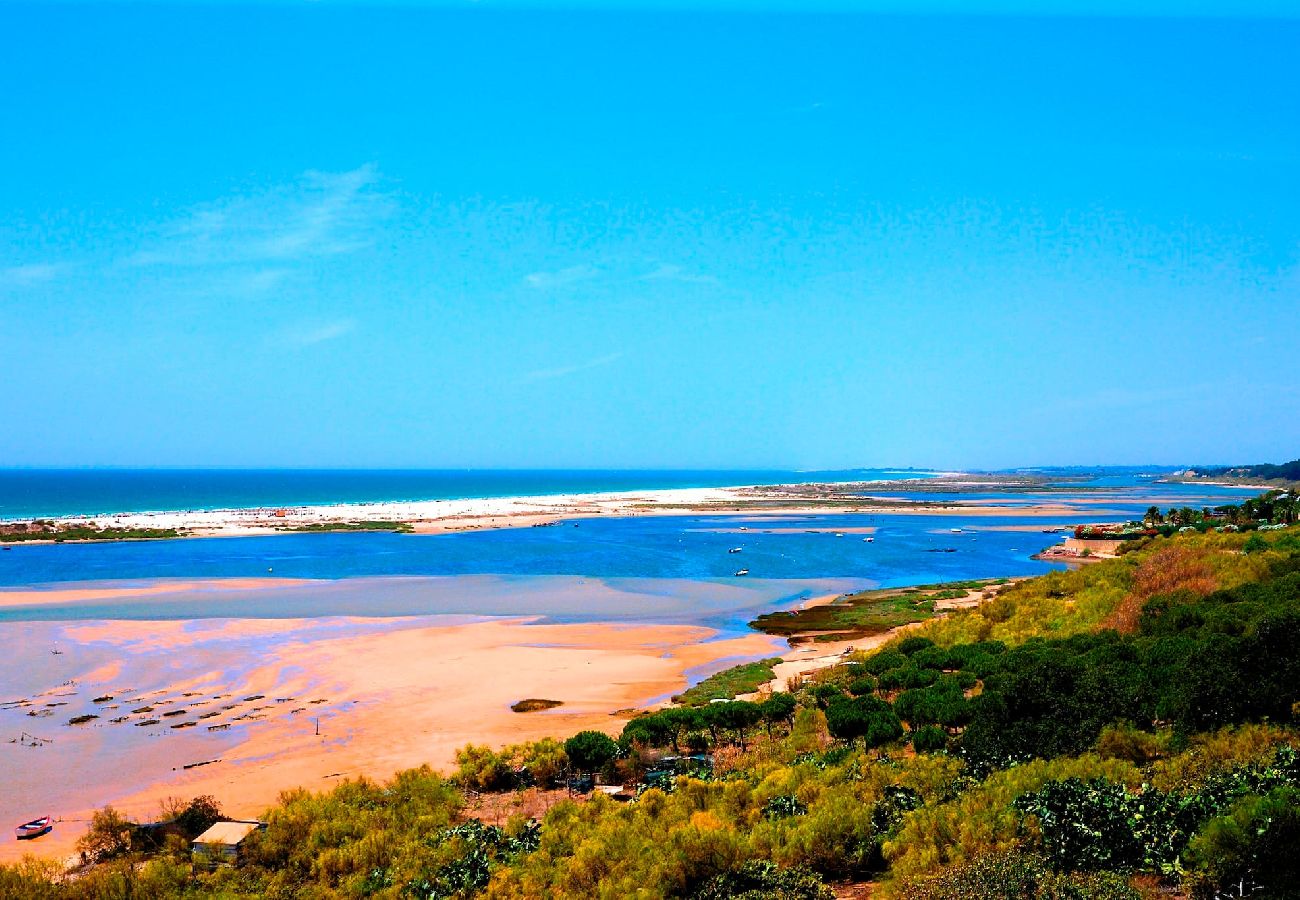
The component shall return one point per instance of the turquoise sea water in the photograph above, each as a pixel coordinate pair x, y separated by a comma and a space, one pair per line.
676, 568
31, 493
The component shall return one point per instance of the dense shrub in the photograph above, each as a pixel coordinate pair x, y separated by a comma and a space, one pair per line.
108, 836
1098, 824
862, 686
910, 645
869, 718
762, 880
929, 739
1187, 667
590, 751
1018, 876
1251, 851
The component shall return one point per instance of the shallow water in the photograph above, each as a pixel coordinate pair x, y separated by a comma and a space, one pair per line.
656, 568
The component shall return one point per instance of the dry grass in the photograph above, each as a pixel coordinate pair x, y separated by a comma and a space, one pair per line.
1173, 568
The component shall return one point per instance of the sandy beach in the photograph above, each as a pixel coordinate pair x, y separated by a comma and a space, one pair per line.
441, 516
244, 698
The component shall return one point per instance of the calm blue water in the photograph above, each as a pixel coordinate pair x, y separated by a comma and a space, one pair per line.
1116, 494
32, 493
669, 550
653, 547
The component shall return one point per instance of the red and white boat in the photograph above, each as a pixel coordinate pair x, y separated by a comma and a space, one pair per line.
34, 828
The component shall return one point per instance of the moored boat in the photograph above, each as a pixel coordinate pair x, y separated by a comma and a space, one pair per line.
34, 829
742, 572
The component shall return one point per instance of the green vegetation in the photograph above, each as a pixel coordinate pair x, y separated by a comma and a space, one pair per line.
867, 612
1286, 472
1127, 730
534, 704
535, 763
1269, 511
743, 679
396, 527
46, 530
590, 751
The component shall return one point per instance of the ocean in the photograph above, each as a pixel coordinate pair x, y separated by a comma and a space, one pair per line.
35, 493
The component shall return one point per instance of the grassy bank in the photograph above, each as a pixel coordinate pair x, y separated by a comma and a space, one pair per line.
48, 531
729, 683
866, 612
396, 527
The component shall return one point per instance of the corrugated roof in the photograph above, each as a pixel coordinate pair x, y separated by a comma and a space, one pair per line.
226, 833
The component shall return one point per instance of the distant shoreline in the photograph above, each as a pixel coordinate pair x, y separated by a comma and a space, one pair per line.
443, 516
27, 494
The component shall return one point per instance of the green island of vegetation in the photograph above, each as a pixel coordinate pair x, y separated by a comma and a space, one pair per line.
47, 530
377, 525
745, 678
534, 704
1127, 730
866, 613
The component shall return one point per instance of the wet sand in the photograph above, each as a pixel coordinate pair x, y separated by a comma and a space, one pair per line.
388, 694
63, 595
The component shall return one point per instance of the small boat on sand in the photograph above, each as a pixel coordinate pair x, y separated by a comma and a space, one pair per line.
34, 829
741, 572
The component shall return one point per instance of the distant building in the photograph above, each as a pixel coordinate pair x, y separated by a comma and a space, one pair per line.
219, 845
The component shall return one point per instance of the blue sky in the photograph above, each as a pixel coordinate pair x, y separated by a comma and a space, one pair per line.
499, 236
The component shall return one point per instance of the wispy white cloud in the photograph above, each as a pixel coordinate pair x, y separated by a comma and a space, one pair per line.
562, 371
561, 278
319, 333
321, 214
677, 274
31, 274
237, 282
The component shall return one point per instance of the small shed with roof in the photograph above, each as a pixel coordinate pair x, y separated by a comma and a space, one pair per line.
220, 844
